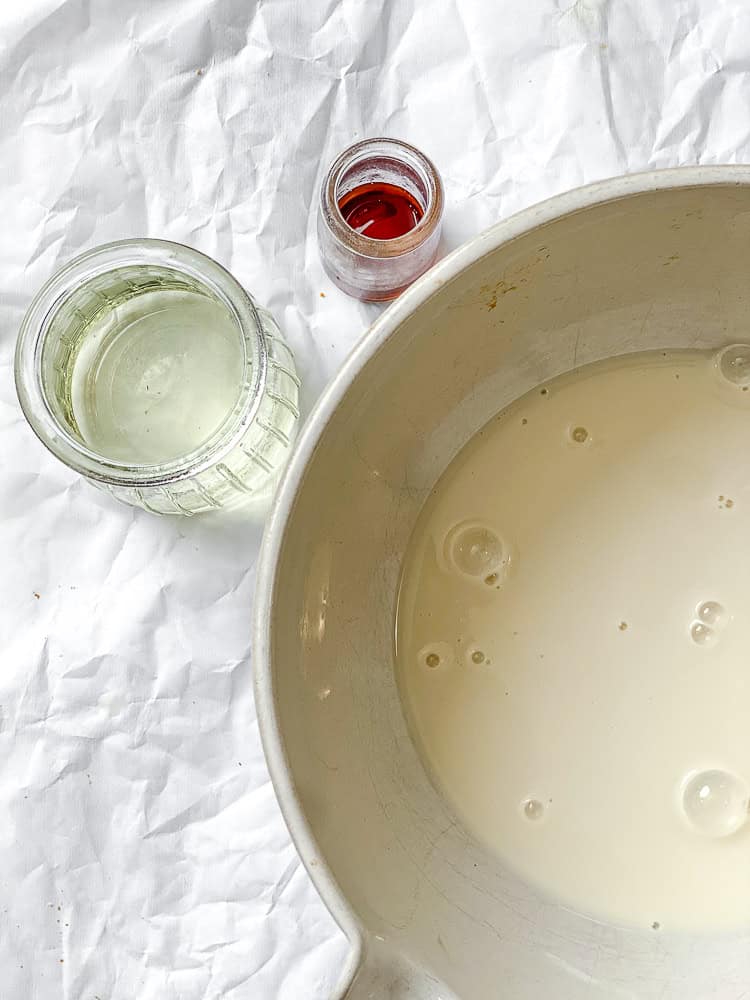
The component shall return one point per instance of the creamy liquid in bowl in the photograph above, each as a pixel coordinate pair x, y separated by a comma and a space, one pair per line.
573, 638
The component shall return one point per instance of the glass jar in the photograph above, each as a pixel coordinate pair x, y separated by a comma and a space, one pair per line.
379, 269
148, 369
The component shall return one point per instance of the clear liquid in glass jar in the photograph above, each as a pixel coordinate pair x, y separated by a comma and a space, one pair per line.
146, 367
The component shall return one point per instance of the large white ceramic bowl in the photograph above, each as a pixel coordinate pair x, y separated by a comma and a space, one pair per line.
660, 260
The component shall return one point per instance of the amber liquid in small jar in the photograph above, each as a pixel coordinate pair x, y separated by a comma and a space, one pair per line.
379, 218
380, 211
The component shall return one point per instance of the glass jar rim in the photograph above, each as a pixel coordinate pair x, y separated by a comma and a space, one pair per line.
400, 152
181, 259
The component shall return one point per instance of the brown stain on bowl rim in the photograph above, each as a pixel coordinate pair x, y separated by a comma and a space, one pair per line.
521, 275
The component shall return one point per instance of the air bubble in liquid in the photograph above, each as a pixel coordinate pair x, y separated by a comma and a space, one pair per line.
711, 613
579, 435
533, 809
711, 618
475, 551
733, 363
435, 654
702, 634
715, 802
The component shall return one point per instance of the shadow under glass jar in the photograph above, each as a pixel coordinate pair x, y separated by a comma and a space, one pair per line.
146, 367
379, 269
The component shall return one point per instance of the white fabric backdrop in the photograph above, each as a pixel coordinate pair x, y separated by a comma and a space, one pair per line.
142, 853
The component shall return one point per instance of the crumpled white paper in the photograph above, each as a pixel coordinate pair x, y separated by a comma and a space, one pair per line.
143, 853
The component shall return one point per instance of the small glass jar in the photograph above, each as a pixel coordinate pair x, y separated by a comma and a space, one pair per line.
145, 366
379, 269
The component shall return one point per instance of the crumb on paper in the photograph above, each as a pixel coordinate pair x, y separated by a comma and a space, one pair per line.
37, 595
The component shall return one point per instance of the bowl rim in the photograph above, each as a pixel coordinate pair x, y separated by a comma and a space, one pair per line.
381, 330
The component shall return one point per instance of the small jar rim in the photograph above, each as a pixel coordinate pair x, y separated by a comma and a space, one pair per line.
168, 255
367, 246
